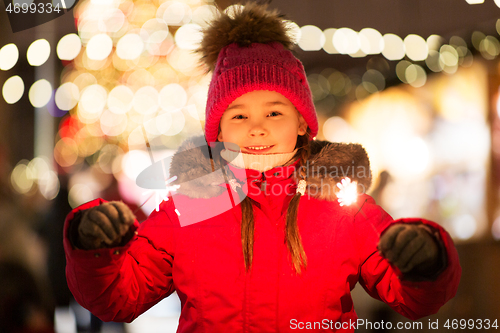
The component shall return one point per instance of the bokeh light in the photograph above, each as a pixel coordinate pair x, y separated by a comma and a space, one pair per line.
174, 13
197, 102
67, 96
66, 152
99, 47
184, 61
415, 75
84, 80
13, 89
434, 42
375, 42
111, 20
134, 162
129, 47
457, 41
159, 125
406, 157
40, 93
373, 81
328, 46
448, 57
172, 97
93, 99
311, 38
9, 54
340, 84
434, 62
489, 47
69, 47
21, 178
145, 100
80, 194
113, 124
464, 226
156, 30
38, 52
177, 124
394, 48
188, 36
346, 41
416, 47
476, 39
108, 155
120, 99
44, 177
48, 185
320, 87
336, 129
401, 70
204, 14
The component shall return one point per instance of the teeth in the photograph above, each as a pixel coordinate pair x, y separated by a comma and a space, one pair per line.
259, 148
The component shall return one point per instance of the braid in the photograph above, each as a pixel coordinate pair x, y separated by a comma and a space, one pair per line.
247, 230
292, 235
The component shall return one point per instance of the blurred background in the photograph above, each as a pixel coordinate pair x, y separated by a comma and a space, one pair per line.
416, 82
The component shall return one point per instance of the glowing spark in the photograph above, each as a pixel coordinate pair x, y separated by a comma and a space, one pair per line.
162, 195
234, 184
348, 193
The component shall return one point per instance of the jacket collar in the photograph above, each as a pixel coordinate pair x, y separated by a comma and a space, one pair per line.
203, 176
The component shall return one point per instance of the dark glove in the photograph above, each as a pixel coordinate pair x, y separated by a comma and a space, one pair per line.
412, 249
106, 225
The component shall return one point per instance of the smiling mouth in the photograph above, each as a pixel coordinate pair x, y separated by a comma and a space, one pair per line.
258, 148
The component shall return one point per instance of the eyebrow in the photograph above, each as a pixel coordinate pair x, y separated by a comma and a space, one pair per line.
239, 106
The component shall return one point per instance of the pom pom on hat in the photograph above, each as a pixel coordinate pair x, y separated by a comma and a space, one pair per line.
252, 23
249, 49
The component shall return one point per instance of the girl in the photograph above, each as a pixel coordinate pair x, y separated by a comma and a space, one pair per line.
256, 238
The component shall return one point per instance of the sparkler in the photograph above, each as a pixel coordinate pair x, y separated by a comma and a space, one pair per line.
161, 195
348, 193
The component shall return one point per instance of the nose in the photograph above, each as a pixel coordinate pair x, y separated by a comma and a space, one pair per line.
258, 130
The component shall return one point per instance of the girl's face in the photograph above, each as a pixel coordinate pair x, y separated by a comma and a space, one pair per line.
262, 122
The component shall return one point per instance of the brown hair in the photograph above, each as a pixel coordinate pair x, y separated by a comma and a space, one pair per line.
292, 235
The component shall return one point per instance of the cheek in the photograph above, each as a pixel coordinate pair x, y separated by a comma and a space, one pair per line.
291, 137
228, 133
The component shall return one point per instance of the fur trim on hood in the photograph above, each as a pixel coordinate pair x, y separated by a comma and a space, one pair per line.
328, 164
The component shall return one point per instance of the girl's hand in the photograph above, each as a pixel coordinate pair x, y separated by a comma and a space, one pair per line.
105, 225
411, 248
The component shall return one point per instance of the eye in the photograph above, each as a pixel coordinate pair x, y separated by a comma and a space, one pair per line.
274, 114
239, 116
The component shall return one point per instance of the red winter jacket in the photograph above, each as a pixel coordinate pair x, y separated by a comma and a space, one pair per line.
203, 260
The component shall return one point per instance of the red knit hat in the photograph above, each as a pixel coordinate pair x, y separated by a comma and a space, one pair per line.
251, 51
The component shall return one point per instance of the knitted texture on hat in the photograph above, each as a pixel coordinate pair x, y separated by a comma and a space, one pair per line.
244, 65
